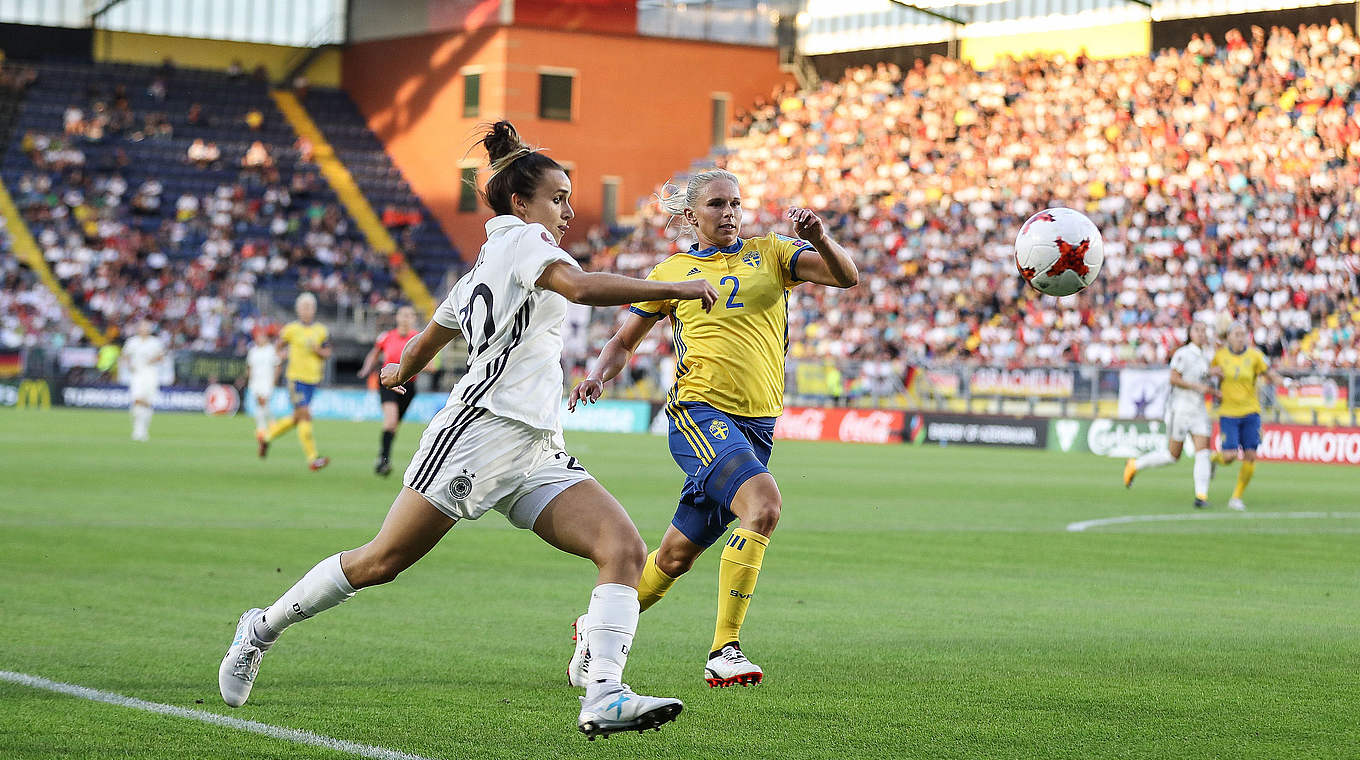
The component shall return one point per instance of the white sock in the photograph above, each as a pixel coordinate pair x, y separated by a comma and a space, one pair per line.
141, 420
323, 587
1154, 459
261, 417
611, 621
1203, 467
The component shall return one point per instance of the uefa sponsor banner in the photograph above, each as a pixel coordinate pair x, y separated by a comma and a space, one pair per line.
169, 399
1022, 383
1143, 392
353, 404
1120, 439
802, 423
978, 430
608, 416
25, 393
1304, 443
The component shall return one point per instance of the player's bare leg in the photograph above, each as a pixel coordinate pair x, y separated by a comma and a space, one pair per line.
263, 423
587, 521
412, 527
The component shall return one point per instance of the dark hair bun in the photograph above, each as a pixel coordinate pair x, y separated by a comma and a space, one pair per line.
501, 139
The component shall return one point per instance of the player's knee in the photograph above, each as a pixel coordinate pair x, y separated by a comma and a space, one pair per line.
373, 568
627, 553
674, 563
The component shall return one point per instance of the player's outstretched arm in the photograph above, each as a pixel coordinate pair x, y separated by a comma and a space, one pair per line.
613, 358
417, 355
832, 266
606, 289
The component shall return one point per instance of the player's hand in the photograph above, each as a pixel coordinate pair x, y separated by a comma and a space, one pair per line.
390, 377
806, 224
363, 373
588, 390
690, 290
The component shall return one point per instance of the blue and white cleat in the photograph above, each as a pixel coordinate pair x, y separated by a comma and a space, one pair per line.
236, 675
579, 664
619, 709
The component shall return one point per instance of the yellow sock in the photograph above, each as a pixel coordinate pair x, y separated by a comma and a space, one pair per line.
737, 583
654, 583
1243, 478
307, 440
279, 428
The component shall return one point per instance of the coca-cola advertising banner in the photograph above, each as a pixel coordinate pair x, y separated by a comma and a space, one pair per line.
800, 423
1300, 443
979, 430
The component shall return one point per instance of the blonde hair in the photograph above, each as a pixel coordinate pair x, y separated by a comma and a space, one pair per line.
677, 202
304, 298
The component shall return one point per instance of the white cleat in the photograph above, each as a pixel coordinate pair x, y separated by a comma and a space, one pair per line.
237, 672
579, 665
621, 710
1237, 504
729, 667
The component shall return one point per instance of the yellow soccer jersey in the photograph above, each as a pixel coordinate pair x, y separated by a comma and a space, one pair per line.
305, 365
732, 358
1239, 381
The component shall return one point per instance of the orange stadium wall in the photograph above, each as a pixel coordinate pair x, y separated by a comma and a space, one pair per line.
151, 49
641, 108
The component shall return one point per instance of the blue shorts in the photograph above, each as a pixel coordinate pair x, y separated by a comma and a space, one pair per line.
1240, 432
718, 452
300, 393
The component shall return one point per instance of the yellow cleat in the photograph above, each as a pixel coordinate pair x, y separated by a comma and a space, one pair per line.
1130, 469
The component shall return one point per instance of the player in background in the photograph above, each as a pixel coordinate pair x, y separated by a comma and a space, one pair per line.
387, 350
1239, 364
142, 356
305, 344
262, 361
497, 444
728, 391
1186, 415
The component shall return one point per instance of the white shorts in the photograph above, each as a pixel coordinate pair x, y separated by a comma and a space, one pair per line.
261, 390
1185, 421
144, 388
471, 461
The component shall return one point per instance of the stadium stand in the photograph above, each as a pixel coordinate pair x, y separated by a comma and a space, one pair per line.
184, 195
1234, 195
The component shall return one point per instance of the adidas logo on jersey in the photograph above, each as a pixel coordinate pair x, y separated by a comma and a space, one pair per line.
692, 272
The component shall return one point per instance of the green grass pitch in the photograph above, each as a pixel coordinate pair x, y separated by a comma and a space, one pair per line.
915, 602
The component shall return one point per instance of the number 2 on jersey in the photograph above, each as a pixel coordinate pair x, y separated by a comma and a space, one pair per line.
732, 302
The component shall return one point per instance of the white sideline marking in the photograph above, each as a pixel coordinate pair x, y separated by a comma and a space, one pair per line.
277, 732
1078, 527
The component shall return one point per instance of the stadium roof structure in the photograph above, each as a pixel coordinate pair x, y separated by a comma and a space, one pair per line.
937, 9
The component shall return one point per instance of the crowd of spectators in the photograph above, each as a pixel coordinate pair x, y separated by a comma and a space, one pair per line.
1225, 178
192, 260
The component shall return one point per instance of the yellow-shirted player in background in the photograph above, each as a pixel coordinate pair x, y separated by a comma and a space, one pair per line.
306, 346
1238, 365
729, 389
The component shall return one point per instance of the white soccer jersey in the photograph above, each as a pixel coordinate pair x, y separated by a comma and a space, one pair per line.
1193, 365
143, 355
263, 361
513, 327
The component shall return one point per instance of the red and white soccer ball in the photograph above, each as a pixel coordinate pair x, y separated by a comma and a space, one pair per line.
1059, 251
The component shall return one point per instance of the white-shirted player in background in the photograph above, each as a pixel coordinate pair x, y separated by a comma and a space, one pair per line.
1186, 414
497, 444
263, 362
142, 357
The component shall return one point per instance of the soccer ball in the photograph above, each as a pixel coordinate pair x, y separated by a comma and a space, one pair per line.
1059, 251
